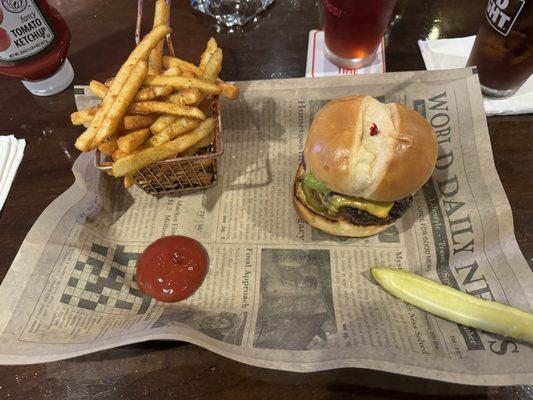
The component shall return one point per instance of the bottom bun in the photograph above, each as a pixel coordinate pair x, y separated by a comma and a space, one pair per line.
340, 227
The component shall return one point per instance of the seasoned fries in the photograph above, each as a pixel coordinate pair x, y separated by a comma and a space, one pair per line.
98, 88
145, 94
229, 91
133, 162
175, 129
162, 12
83, 116
182, 83
155, 108
186, 97
153, 92
213, 66
118, 154
132, 122
150, 107
161, 123
128, 181
208, 52
131, 141
121, 103
205, 142
108, 147
85, 141
174, 71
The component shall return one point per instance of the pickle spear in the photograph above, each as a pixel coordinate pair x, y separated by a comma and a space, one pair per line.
454, 305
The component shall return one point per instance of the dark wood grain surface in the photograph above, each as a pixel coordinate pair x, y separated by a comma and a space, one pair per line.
274, 47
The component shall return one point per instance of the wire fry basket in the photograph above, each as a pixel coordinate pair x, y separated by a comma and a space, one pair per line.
179, 174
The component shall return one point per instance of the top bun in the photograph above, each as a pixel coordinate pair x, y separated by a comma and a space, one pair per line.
346, 154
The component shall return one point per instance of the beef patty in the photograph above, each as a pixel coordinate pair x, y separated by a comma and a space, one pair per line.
363, 218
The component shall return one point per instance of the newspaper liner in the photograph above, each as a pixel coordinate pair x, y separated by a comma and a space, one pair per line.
280, 294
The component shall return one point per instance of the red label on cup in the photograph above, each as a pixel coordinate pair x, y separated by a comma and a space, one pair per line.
337, 12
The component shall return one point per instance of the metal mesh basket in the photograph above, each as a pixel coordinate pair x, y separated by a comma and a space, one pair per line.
179, 174
185, 173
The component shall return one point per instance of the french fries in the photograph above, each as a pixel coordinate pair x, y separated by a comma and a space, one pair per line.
169, 62
155, 107
131, 141
85, 141
153, 92
150, 107
179, 82
145, 94
213, 66
132, 122
129, 181
186, 97
211, 69
174, 71
83, 116
227, 90
178, 127
206, 141
162, 122
118, 154
141, 52
130, 164
208, 52
121, 103
98, 88
108, 147
162, 12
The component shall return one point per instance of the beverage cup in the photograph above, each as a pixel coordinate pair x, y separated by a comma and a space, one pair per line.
503, 49
353, 30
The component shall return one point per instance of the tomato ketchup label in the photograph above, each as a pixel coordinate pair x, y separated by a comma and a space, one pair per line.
23, 30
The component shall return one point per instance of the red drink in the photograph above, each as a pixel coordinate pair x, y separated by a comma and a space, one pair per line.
354, 29
503, 50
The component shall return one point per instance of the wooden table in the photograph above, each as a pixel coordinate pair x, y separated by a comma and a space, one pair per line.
275, 47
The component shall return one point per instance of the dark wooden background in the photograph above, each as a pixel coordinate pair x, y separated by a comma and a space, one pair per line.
274, 47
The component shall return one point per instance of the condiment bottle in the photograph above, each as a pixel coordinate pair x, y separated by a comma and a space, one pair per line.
34, 40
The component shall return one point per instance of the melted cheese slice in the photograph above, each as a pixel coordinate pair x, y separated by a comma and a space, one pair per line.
379, 209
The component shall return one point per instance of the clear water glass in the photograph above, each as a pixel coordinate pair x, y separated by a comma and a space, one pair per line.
231, 12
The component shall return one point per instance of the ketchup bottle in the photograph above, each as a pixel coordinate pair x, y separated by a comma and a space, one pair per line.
34, 41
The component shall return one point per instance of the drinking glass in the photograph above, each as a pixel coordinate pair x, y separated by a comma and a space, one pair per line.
353, 30
503, 49
231, 12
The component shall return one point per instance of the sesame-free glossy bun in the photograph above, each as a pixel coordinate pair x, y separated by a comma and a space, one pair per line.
389, 165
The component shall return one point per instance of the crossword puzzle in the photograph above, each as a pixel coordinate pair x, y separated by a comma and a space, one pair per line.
103, 280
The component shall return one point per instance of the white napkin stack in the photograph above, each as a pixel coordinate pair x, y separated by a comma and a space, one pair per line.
318, 64
11, 152
453, 53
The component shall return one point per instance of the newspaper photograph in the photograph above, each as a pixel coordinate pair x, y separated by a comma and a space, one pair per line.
280, 294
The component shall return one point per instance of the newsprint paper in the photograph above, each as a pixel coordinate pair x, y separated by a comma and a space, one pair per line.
280, 294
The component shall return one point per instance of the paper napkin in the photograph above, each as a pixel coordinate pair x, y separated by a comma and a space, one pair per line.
11, 152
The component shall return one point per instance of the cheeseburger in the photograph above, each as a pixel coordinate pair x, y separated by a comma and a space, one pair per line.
363, 160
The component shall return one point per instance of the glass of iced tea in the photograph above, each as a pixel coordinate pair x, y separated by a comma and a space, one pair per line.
503, 50
353, 30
